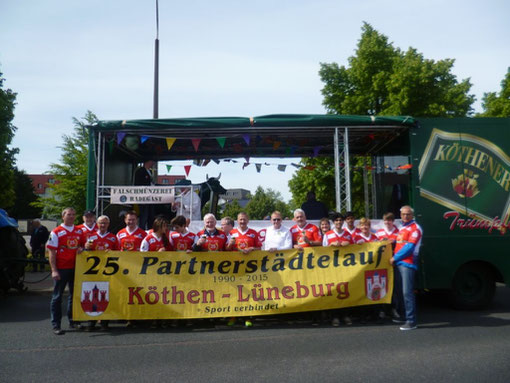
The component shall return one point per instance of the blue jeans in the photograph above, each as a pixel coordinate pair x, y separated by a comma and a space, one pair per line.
406, 301
66, 278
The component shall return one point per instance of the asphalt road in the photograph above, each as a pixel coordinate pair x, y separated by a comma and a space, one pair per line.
449, 346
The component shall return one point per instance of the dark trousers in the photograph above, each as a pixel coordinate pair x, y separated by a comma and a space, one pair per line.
66, 278
38, 254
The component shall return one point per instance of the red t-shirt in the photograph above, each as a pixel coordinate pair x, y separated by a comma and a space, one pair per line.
152, 243
361, 238
244, 240
214, 242
312, 232
182, 242
383, 234
131, 241
108, 241
66, 241
332, 236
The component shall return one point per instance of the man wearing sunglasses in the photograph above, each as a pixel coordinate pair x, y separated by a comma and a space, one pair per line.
277, 237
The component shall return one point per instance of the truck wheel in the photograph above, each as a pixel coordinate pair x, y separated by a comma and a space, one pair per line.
473, 287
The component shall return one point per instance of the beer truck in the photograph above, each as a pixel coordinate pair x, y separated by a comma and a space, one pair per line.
455, 172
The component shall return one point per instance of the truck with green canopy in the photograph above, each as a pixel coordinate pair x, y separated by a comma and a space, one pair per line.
456, 176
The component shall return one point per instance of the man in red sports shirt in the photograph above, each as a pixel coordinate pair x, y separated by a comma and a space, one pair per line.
389, 231
304, 234
337, 236
130, 238
66, 241
210, 238
181, 239
102, 239
89, 225
243, 238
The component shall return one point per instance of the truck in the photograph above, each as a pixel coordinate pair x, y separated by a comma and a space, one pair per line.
454, 172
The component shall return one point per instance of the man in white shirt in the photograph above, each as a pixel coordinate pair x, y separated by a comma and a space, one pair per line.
277, 236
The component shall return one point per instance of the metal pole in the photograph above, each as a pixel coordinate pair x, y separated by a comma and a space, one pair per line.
99, 166
156, 66
365, 187
337, 172
347, 167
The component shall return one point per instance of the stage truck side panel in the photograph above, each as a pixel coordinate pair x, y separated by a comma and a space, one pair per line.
461, 194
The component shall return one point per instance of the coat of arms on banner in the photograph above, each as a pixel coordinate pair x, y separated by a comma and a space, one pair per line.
376, 284
94, 297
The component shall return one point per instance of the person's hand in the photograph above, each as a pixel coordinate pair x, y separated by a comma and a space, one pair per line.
392, 260
55, 275
162, 249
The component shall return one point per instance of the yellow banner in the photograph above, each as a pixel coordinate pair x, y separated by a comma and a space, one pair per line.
175, 285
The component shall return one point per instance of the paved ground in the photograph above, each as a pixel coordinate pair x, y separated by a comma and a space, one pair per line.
449, 346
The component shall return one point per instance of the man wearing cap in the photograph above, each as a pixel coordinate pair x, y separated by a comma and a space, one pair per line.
66, 241
89, 226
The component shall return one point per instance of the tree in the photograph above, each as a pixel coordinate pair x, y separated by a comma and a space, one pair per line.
380, 80
7, 155
264, 202
497, 105
383, 80
232, 209
25, 197
71, 171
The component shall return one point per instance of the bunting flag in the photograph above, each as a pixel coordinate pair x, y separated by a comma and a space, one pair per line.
168, 167
290, 150
246, 138
310, 167
402, 167
276, 145
246, 164
216, 161
143, 139
187, 168
247, 158
316, 150
296, 165
196, 143
205, 162
258, 167
120, 137
170, 142
282, 167
221, 141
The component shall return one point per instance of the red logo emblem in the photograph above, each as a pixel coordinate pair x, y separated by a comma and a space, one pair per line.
94, 297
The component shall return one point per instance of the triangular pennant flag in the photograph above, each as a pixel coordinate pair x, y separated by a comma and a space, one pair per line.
196, 143
120, 137
143, 139
245, 164
217, 162
221, 141
258, 167
316, 150
276, 145
296, 165
282, 167
168, 167
246, 139
170, 142
247, 158
310, 167
206, 162
187, 168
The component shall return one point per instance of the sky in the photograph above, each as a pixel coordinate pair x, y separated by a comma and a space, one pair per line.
217, 58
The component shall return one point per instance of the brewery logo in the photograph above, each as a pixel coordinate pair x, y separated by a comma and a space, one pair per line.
94, 297
466, 185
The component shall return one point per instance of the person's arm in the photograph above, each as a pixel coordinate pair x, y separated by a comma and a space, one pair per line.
53, 264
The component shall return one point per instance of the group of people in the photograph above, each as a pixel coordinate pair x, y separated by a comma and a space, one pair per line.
68, 240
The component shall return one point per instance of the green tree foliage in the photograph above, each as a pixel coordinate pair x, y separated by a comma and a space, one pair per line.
380, 80
264, 202
232, 209
7, 155
71, 172
25, 197
383, 80
495, 105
